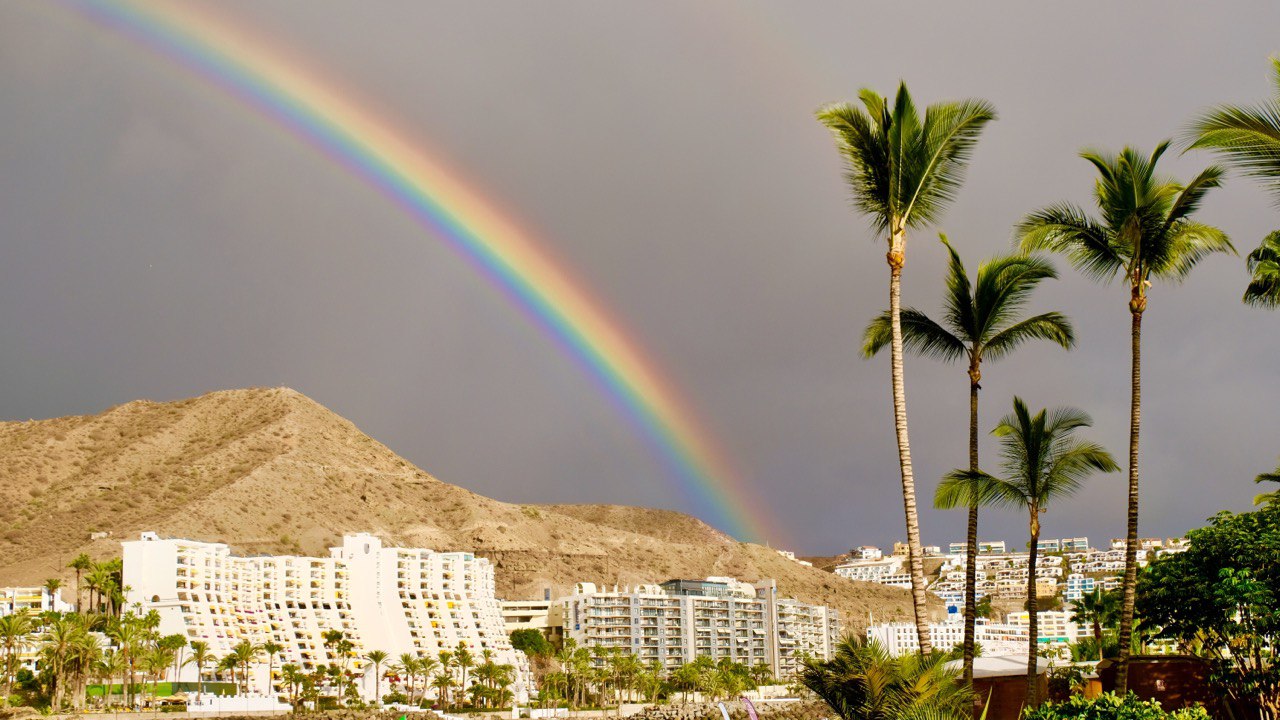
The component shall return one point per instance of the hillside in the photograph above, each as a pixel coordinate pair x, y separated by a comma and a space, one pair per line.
271, 471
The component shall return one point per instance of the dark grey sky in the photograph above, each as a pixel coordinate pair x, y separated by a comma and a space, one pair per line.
160, 240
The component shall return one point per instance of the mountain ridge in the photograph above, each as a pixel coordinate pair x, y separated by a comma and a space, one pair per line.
269, 470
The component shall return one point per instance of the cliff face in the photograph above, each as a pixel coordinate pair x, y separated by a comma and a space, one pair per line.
272, 471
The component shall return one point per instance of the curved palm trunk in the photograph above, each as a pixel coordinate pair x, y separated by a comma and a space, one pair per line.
1136, 306
896, 258
1033, 620
971, 537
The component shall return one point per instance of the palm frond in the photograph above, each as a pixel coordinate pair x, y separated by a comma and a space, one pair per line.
1003, 287
1246, 137
970, 488
1192, 195
1188, 242
1051, 326
1264, 267
958, 300
1065, 228
861, 141
920, 335
949, 135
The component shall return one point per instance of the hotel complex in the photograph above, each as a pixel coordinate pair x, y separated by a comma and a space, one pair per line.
675, 622
398, 600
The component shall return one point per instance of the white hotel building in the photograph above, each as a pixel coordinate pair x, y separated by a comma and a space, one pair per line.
398, 600
681, 620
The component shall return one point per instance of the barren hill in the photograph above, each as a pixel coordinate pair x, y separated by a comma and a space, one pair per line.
271, 471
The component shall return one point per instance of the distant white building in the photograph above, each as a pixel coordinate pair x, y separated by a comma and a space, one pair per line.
32, 599
886, 571
398, 600
721, 618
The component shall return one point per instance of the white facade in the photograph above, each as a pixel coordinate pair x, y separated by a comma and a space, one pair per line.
32, 599
673, 624
397, 600
886, 571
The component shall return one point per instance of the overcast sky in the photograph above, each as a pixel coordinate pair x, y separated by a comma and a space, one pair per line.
161, 240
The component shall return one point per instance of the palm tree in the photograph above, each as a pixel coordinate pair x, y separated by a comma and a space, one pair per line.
200, 656
1249, 139
82, 563
52, 586
464, 660
245, 654
1145, 232
408, 667
1096, 609
862, 681
271, 648
15, 630
442, 682
377, 657
903, 172
1042, 461
426, 666
981, 321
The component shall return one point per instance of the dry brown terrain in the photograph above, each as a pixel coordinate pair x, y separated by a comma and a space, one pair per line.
272, 471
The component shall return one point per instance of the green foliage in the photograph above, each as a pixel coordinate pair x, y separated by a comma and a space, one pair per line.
1109, 706
1221, 599
863, 682
532, 642
903, 170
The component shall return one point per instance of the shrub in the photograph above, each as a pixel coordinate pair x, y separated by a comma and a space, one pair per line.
1109, 706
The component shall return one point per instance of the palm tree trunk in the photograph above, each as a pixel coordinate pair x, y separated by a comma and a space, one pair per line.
1136, 308
1033, 625
896, 258
971, 536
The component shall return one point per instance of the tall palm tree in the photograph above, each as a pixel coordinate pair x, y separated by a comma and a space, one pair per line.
1248, 138
426, 666
52, 586
377, 657
463, 658
1144, 232
862, 681
903, 171
271, 649
245, 654
981, 321
15, 632
200, 656
82, 563
1042, 461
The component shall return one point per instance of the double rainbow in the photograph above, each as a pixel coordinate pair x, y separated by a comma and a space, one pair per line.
332, 122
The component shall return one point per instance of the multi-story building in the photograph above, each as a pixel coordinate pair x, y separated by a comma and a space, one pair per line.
876, 571
1075, 545
1010, 637
31, 599
1052, 626
398, 600
1078, 586
674, 623
867, 552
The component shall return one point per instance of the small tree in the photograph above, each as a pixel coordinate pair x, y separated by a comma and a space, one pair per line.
1221, 599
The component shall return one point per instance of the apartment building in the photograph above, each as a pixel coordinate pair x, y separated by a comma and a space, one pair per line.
1052, 626
680, 620
398, 600
31, 599
899, 638
876, 571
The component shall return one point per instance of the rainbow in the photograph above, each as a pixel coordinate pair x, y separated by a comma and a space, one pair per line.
343, 129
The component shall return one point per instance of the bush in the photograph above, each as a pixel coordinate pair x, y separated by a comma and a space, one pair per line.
395, 698
1109, 706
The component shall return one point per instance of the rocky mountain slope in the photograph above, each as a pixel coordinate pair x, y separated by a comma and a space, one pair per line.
271, 471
